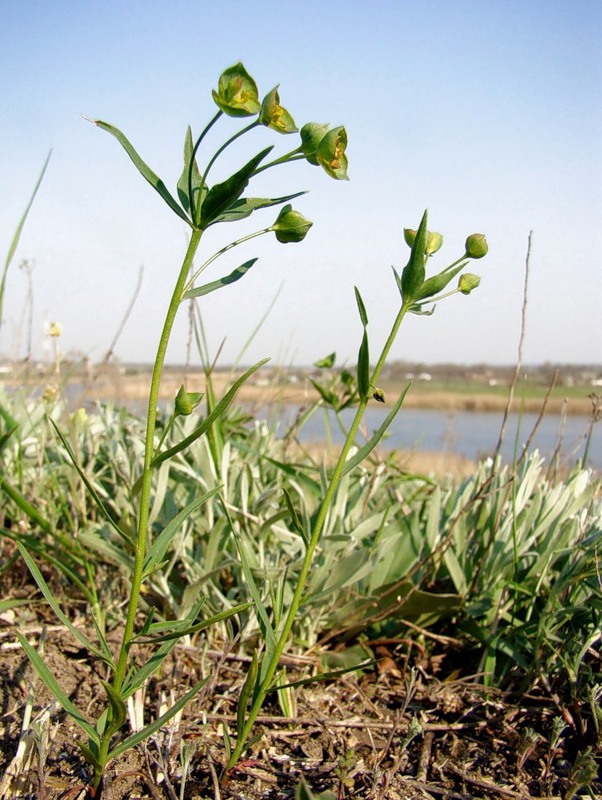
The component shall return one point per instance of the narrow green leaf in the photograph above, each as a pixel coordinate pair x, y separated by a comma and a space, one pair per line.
11, 425
437, 283
140, 736
190, 179
327, 362
45, 589
25, 506
88, 753
53, 686
326, 676
360, 306
93, 493
17, 235
209, 420
221, 196
206, 623
397, 277
264, 620
137, 678
159, 547
234, 276
413, 273
363, 368
143, 168
365, 451
327, 395
294, 517
117, 706
245, 694
245, 206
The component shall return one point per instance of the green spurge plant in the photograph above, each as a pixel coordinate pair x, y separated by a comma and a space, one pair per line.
147, 547
416, 292
200, 205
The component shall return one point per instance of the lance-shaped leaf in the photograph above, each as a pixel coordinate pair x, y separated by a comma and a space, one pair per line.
179, 632
437, 283
162, 542
104, 652
248, 689
143, 168
221, 196
17, 235
245, 206
190, 182
363, 359
132, 741
413, 273
217, 412
363, 368
234, 276
365, 451
76, 715
117, 706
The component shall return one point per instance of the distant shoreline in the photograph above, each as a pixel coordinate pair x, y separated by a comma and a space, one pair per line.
123, 388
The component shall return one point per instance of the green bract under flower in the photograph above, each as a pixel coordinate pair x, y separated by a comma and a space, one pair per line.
237, 94
311, 136
433, 240
468, 282
186, 402
291, 226
325, 148
274, 116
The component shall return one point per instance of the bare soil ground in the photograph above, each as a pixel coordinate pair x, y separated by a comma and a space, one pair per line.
418, 725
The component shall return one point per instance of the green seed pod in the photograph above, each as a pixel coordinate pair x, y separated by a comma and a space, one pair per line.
291, 226
186, 402
476, 246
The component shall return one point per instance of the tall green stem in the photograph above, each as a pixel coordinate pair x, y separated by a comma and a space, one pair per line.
335, 480
151, 420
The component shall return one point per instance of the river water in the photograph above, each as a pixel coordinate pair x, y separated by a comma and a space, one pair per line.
473, 434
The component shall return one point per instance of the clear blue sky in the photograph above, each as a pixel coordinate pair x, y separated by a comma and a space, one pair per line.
488, 114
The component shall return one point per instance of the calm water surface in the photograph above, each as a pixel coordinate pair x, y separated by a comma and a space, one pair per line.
473, 434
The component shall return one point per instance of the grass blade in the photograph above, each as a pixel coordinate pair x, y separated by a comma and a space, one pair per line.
51, 682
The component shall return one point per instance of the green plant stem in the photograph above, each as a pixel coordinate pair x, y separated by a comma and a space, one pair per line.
297, 599
143, 513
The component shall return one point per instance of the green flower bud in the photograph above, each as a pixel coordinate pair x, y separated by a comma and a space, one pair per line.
186, 402
468, 282
378, 395
291, 226
476, 246
237, 94
311, 136
274, 116
331, 153
433, 240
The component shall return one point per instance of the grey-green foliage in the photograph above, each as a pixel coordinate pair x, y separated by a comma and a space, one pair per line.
507, 554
